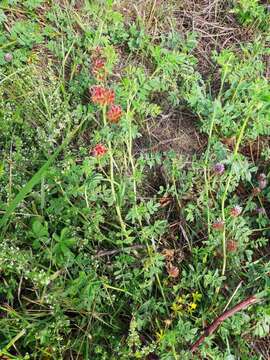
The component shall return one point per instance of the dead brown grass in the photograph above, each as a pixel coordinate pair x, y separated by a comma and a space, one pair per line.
261, 347
172, 131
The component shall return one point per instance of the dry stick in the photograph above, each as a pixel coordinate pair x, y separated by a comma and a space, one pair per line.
215, 324
117, 251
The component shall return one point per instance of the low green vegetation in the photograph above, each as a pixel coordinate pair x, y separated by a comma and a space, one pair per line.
110, 249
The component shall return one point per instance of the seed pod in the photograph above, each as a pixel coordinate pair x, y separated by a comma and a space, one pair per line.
168, 254
165, 200
167, 322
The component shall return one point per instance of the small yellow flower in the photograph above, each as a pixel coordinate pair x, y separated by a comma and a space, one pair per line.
196, 296
180, 300
177, 308
191, 307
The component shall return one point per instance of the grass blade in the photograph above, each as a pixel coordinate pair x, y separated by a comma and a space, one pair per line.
37, 177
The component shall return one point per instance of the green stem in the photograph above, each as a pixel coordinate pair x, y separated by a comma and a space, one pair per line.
224, 196
112, 181
131, 160
12, 342
205, 168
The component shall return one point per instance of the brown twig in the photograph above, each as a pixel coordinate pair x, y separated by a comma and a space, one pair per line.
117, 251
215, 324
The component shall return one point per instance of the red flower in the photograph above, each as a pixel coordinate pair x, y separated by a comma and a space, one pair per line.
98, 68
232, 246
218, 225
219, 168
173, 271
114, 113
99, 150
110, 96
236, 211
102, 96
98, 64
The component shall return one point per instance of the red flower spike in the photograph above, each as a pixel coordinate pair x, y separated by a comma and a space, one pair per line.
98, 68
110, 96
98, 64
173, 271
99, 150
102, 96
98, 94
218, 225
232, 246
114, 113
236, 211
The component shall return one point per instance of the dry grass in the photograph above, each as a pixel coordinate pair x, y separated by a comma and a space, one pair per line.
172, 131
261, 347
215, 25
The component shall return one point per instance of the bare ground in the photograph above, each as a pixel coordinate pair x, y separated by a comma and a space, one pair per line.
173, 131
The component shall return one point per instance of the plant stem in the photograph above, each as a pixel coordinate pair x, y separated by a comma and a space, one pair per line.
216, 323
131, 160
112, 181
205, 168
224, 196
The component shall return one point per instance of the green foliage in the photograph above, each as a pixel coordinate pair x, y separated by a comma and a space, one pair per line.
252, 13
26, 33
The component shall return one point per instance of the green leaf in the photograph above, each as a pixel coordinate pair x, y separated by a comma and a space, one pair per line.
36, 179
2, 17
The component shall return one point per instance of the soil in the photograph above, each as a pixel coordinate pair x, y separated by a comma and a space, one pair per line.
175, 131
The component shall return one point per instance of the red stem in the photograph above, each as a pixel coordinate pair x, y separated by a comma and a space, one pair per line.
215, 324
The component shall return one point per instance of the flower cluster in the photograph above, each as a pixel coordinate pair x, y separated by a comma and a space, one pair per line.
186, 303
218, 225
219, 168
232, 246
98, 65
99, 150
262, 181
236, 211
114, 113
102, 96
